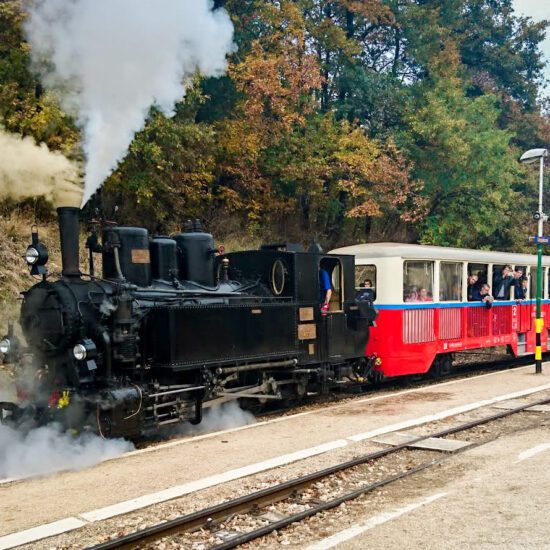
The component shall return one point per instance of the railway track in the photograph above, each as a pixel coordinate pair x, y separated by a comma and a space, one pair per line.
210, 518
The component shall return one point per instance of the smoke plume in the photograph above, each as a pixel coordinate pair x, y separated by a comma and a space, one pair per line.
47, 450
30, 170
111, 60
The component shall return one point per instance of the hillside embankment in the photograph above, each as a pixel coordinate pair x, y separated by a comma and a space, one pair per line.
15, 236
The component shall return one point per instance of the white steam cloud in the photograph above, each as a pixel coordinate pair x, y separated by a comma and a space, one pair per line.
47, 450
30, 170
217, 418
111, 60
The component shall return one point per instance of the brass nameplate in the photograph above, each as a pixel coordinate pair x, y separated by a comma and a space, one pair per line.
311, 349
256, 311
307, 332
306, 314
140, 256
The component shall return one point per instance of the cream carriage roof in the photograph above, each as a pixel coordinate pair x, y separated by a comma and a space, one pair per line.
423, 252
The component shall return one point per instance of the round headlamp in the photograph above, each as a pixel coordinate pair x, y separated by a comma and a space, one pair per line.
5, 346
80, 352
32, 255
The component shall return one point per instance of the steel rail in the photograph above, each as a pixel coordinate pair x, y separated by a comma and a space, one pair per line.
288, 488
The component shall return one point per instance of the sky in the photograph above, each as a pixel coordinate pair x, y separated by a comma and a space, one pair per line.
537, 9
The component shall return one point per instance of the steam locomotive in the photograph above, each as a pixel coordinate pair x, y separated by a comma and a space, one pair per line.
175, 325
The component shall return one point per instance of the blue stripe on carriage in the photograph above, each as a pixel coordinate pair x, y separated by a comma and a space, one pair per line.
444, 305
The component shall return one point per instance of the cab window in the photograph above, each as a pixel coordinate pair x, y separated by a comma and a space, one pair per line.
365, 282
418, 281
450, 281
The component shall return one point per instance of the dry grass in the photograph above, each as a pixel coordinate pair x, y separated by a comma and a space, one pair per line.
15, 236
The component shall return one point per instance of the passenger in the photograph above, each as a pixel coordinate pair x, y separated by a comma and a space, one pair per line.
502, 282
325, 289
485, 295
366, 293
411, 295
473, 288
425, 296
518, 289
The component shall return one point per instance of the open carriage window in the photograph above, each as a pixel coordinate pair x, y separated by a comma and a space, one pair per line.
418, 281
365, 282
450, 281
477, 277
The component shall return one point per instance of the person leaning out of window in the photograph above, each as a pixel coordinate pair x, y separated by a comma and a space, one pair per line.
485, 295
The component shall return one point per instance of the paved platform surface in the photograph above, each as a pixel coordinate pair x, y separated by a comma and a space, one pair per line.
34, 502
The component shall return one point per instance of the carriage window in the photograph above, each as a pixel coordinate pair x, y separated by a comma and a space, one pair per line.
450, 282
521, 282
418, 281
477, 276
365, 282
503, 281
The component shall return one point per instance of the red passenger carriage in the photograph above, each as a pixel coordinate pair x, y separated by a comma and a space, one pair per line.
424, 316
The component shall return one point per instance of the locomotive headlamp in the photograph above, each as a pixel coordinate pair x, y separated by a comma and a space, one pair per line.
32, 255
79, 352
84, 350
36, 254
5, 346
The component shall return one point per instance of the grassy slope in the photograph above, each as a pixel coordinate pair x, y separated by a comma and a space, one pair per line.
15, 236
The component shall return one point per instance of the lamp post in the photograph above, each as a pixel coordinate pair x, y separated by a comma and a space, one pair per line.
529, 157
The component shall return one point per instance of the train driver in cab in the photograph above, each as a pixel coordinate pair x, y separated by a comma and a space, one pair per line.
325, 289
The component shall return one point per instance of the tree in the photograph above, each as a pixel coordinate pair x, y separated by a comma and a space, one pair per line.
25, 108
168, 172
465, 161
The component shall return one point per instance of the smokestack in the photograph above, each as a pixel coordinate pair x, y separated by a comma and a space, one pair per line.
69, 232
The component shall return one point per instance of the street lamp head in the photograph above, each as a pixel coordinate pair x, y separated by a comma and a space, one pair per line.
533, 155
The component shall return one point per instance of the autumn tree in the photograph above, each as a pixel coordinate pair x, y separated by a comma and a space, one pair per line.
465, 161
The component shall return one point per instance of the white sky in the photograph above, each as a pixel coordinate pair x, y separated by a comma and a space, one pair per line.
537, 9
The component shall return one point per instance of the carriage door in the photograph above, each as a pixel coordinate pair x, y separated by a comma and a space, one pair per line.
335, 321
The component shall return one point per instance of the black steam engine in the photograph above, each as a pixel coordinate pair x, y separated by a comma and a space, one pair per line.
174, 326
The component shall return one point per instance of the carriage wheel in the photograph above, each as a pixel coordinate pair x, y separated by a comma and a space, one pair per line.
441, 366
